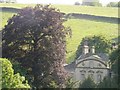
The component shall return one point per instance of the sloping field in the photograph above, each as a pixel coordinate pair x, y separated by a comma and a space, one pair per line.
99, 11
81, 28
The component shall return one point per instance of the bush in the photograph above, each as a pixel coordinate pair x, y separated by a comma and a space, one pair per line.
88, 83
9, 79
108, 82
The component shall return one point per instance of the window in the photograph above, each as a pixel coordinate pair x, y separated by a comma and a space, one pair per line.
99, 77
91, 74
83, 77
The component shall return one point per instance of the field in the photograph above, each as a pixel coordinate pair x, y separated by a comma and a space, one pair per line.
80, 28
99, 11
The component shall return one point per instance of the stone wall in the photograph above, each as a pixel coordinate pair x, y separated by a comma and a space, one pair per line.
93, 18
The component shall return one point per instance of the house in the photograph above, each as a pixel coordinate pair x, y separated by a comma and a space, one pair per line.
89, 63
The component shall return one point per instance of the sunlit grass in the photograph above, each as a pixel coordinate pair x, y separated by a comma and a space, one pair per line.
81, 28
5, 17
100, 11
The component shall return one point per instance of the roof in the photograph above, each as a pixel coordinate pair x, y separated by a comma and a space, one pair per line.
70, 67
99, 56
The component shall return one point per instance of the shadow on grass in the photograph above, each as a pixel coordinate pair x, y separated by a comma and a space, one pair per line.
9, 9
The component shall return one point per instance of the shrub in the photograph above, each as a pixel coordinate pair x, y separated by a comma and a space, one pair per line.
9, 79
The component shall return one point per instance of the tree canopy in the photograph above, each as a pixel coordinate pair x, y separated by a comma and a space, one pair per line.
91, 2
36, 38
113, 4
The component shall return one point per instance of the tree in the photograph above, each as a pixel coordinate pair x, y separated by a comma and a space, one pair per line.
91, 3
88, 83
108, 82
112, 4
36, 38
77, 3
114, 59
9, 79
102, 45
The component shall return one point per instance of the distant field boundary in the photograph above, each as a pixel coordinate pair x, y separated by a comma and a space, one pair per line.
93, 18
75, 16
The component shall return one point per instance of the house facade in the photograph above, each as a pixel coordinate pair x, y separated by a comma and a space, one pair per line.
89, 64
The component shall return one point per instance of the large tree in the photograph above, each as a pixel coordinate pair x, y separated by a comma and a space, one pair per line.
36, 38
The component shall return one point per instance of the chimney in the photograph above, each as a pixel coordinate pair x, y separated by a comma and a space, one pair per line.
92, 50
85, 48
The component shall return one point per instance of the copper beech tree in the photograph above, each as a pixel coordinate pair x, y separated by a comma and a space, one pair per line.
36, 38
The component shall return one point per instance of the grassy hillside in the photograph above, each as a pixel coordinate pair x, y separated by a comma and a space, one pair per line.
80, 28
100, 11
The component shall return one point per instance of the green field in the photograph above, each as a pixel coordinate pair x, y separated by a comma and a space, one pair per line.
99, 11
80, 28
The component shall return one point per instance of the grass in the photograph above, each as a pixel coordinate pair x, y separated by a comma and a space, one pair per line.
5, 17
99, 11
80, 28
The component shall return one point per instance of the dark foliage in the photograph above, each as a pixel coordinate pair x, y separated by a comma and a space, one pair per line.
113, 4
101, 44
87, 83
108, 83
91, 3
115, 61
77, 3
36, 38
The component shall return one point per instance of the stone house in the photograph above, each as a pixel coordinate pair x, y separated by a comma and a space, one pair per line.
89, 63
